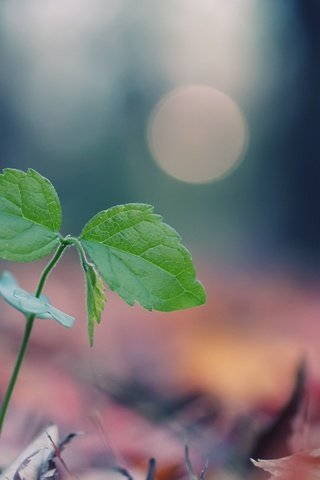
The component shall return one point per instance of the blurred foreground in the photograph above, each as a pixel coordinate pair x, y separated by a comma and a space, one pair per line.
224, 376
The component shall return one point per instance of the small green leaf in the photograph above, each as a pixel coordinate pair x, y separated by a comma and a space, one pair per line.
30, 215
142, 259
95, 298
28, 304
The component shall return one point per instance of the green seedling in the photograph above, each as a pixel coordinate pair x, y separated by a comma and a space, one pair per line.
127, 246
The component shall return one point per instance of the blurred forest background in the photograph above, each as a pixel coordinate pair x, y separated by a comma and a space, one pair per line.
80, 82
210, 111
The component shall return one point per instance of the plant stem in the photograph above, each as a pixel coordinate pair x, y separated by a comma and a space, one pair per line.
83, 259
27, 332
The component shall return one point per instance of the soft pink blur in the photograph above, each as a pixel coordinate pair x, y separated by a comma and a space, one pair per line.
242, 348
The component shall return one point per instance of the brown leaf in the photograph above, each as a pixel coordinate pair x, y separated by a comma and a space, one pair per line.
303, 465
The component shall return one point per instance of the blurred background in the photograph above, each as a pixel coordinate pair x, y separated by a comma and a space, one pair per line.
208, 110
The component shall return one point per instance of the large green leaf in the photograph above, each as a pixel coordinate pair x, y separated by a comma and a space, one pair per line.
30, 215
142, 259
28, 304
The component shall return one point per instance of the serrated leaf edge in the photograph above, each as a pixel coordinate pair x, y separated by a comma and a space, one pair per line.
56, 230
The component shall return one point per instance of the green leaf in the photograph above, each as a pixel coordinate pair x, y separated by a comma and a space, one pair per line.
95, 298
28, 304
142, 259
30, 216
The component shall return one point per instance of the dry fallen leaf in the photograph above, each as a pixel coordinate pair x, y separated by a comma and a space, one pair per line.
30, 462
299, 466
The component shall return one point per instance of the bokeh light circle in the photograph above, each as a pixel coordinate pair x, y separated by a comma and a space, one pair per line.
197, 134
